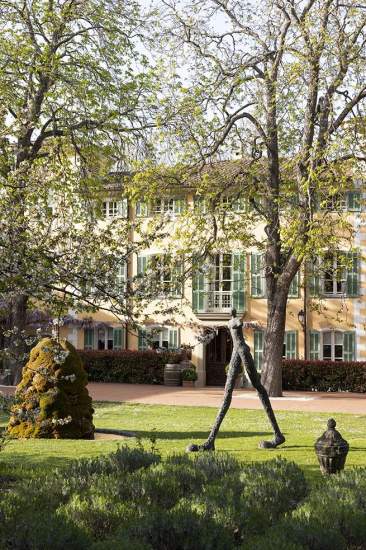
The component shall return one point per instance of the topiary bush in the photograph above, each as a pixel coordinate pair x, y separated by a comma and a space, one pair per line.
52, 400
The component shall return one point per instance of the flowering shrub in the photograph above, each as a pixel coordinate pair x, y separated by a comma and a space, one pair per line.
52, 400
324, 375
133, 367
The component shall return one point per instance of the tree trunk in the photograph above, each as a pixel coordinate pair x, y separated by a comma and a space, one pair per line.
17, 346
273, 345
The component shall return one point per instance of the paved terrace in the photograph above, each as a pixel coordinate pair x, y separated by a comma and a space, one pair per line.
212, 397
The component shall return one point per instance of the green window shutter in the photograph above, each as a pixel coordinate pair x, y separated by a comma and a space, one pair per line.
117, 338
239, 204
173, 338
354, 201
178, 206
177, 283
258, 349
349, 346
291, 344
123, 207
198, 292
293, 291
313, 278
353, 274
141, 264
314, 345
88, 338
238, 284
200, 204
256, 275
142, 339
141, 209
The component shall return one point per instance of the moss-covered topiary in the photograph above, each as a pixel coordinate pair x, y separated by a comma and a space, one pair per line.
52, 400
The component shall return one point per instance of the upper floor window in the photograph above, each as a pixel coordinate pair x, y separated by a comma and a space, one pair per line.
165, 274
336, 274
334, 277
166, 205
114, 209
342, 201
220, 286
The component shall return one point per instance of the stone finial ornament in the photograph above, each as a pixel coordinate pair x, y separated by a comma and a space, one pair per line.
331, 449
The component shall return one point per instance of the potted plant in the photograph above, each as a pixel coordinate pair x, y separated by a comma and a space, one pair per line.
189, 376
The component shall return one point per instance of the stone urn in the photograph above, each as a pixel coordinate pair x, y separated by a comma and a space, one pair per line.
331, 450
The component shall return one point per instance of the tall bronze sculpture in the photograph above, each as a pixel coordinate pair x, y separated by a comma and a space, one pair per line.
241, 355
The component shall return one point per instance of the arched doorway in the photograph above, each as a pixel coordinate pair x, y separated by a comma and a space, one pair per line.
218, 353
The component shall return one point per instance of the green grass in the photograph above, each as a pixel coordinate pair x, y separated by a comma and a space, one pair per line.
176, 427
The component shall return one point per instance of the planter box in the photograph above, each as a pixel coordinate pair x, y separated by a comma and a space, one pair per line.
188, 384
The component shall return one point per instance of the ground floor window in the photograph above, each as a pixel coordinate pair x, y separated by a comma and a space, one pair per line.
104, 338
158, 338
289, 349
332, 345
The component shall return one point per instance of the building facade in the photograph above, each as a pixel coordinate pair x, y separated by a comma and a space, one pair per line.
326, 312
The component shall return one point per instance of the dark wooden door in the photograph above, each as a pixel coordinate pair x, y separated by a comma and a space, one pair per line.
218, 353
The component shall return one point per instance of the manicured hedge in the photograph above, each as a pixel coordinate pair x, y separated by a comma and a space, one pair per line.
324, 375
133, 367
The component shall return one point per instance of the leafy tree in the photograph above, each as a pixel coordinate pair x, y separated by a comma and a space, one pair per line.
283, 82
77, 103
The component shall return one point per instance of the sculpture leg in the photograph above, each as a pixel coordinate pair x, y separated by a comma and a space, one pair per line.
247, 359
234, 369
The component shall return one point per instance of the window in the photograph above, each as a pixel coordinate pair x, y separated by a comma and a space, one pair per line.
220, 297
234, 204
114, 209
164, 273
158, 338
171, 205
220, 286
334, 203
289, 349
332, 345
334, 275
342, 201
200, 204
104, 338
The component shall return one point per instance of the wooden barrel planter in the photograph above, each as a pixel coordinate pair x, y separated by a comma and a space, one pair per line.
172, 375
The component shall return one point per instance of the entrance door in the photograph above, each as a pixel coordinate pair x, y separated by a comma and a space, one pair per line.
218, 354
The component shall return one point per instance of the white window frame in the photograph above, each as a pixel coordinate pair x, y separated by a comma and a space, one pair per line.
107, 330
167, 205
114, 208
159, 334
332, 333
342, 282
219, 298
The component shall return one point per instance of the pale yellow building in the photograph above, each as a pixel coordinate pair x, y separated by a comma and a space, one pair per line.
325, 317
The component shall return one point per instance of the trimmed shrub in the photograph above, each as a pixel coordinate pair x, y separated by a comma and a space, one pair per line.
128, 366
52, 400
324, 375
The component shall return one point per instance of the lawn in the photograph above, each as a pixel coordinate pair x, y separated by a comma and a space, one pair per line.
176, 427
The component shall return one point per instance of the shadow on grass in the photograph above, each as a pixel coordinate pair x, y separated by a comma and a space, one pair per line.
167, 435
